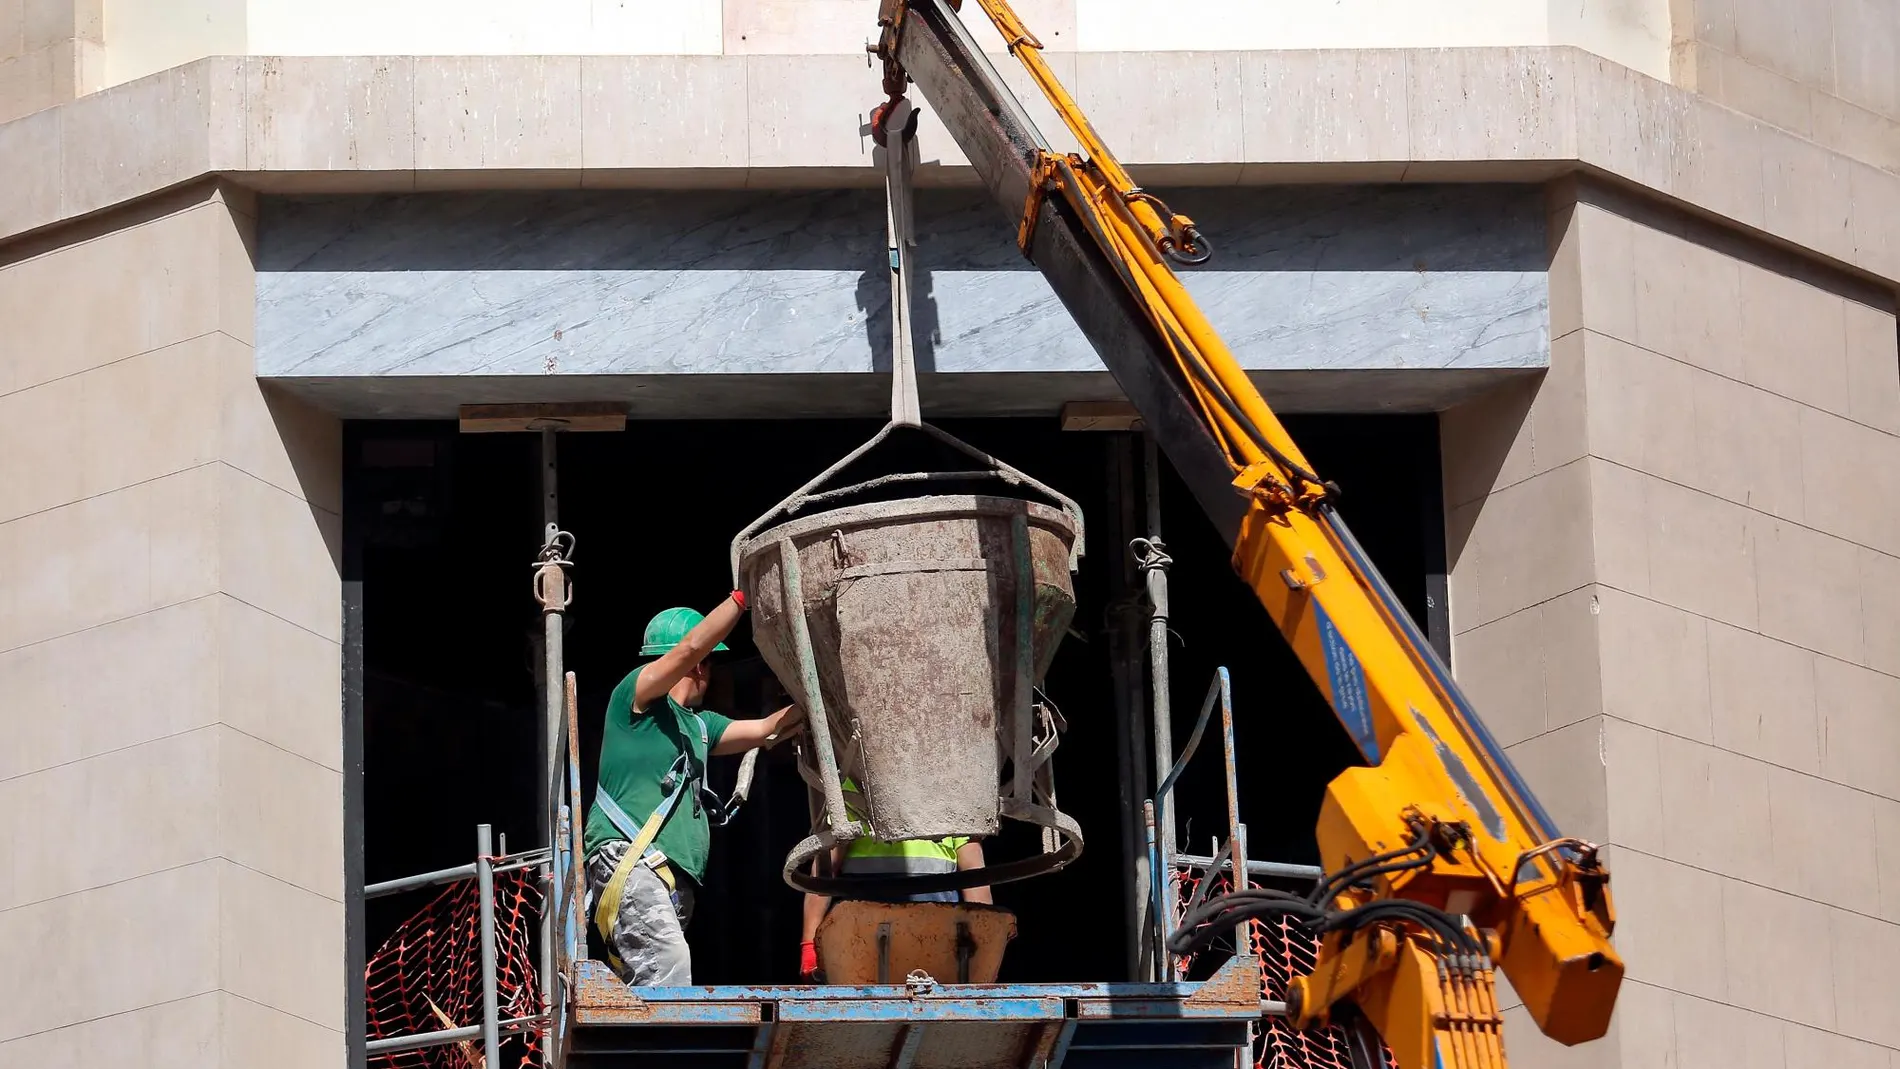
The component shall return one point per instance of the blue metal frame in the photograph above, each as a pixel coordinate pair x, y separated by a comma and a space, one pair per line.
1083, 1026
703, 1005
1162, 862
808, 992
761, 1046
1060, 1053
1086, 1026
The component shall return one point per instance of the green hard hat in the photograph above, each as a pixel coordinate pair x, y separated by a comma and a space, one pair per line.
667, 628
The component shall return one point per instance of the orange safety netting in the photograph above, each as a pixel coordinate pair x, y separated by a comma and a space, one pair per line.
1284, 952
427, 977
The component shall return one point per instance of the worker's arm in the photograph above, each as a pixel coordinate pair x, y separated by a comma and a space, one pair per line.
671, 667
815, 906
743, 735
970, 856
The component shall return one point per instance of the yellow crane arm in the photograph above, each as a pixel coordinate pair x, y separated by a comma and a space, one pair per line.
1446, 860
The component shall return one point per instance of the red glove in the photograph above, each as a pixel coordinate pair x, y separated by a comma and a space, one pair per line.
808, 961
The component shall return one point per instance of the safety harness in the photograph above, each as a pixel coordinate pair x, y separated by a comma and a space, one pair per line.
686, 774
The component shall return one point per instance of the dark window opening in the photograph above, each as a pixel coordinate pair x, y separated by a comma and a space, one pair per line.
444, 527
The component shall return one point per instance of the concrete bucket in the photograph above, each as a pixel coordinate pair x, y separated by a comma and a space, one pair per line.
913, 633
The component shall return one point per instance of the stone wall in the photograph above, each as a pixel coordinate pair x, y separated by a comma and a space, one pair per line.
147, 36
170, 785
1823, 69
1675, 595
51, 51
635, 287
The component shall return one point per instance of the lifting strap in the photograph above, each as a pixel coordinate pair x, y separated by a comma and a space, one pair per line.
899, 157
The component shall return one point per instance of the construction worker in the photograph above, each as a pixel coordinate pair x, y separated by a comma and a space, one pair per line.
867, 856
650, 826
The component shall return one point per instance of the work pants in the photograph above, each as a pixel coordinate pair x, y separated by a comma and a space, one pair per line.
650, 926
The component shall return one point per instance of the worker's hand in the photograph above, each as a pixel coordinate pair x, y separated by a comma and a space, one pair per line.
808, 961
767, 731
784, 724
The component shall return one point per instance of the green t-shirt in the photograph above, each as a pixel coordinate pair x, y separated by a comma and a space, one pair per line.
636, 752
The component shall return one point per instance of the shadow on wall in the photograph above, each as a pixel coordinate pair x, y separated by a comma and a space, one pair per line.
874, 300
1266, 228
312, 441
1478, 438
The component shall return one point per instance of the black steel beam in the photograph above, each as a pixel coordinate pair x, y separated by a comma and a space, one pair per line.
991, 127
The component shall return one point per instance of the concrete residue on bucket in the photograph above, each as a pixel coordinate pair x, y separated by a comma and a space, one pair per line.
913, 632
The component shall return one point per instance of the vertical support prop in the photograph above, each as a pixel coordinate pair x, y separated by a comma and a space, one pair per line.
552, 604
553, 715
550, 488
1153, 558
1154, 566
485, 885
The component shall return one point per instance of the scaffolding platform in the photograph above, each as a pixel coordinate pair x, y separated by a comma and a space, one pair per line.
1205, 1025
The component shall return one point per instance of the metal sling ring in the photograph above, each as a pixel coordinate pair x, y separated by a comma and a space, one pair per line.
994, 468
905, 410
1062, 824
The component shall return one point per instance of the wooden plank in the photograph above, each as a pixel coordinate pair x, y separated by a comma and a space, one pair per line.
568, 416
1100, 416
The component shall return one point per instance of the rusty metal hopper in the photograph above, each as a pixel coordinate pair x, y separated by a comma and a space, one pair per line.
913, 630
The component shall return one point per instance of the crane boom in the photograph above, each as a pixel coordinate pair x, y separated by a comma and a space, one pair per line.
1443, 859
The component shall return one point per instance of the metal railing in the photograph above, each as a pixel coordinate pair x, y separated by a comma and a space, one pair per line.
1164, 861
564, 915
1279, 870
482, 870
559, 861
1160, 820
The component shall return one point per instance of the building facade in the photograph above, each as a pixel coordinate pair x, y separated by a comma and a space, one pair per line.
1642, 260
